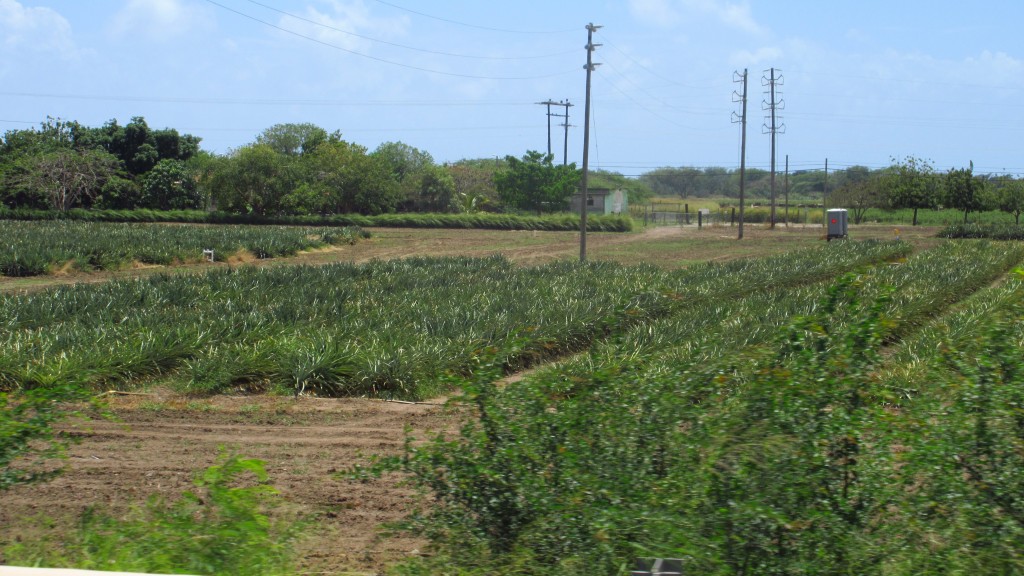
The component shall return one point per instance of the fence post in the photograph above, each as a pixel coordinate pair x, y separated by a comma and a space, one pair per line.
732, 218
700, 220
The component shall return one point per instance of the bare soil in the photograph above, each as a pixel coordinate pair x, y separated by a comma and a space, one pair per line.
162, 440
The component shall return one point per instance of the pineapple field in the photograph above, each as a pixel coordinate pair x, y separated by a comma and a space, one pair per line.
827, 408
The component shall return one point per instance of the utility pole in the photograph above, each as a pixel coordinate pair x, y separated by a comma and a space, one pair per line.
824, 200
566, 125
549, 103
742, 119
787, 190
586, 141
772, 105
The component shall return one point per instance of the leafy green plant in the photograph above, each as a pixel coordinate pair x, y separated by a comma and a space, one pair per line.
28, 440
220, 528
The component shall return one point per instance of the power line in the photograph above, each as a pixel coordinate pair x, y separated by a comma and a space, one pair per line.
436, 52
377, 59
261, 101
488, 28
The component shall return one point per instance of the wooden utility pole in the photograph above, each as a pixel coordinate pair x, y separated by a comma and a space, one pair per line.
787, 190
591, 28
773, 105
566, 125
742, 119
549, 103
824, 199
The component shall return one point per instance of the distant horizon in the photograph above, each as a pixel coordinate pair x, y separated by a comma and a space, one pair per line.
861, 84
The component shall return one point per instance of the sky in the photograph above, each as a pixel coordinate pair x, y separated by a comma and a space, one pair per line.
859, 82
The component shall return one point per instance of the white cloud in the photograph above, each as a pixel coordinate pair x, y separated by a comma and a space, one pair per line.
345, 24
654, 12
38, 29
161, 20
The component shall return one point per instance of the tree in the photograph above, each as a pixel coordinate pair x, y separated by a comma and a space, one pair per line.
170, 186
253, 179
423, 185
294, 139
964, 191
912, 183
534, 183
436, 189
1009, 197
341, 178
637, 190
473, 185
64, 178
859, 195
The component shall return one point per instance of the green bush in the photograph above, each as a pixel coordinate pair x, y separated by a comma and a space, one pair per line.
28, 440
221, 528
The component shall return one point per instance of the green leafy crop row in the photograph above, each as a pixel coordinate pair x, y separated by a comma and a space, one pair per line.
385, 328
34, 248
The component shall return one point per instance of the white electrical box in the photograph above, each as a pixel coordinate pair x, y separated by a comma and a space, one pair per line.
836, 223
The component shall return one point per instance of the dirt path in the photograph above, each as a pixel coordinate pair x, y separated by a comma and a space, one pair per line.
162, 440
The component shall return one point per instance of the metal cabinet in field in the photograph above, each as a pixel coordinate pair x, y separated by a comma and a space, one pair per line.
836, 223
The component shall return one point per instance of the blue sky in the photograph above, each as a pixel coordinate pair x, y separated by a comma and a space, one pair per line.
864, 81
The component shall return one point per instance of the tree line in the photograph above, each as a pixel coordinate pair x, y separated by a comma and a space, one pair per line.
908, 183
290, 169
301, 169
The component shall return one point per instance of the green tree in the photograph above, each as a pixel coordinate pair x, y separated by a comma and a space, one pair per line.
965, 191
342, 178
534, 183
436, 190
473, 183
912, 183
170, 186
422, 184
859, 195
294, 139
1009, 197
253, 179
637, 190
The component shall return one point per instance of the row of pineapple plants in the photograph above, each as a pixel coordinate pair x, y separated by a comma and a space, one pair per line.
30, 248
397, 329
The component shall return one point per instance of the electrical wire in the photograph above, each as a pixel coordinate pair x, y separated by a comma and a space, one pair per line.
467, 25
383, 60
436, 52
262, 101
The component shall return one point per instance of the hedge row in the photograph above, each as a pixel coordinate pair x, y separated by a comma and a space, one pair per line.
553, 222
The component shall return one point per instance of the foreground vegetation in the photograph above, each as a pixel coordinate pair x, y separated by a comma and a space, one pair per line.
797, 448
34, 248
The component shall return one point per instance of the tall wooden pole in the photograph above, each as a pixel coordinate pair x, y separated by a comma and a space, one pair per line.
586, 143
